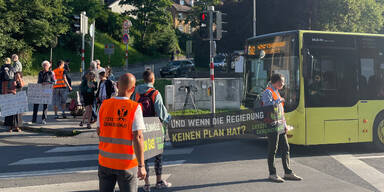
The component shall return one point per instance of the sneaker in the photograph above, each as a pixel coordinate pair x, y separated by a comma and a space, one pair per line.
147, 188
163, 185
56, 117
43, 122
81, 124
276, 178
64, 116
89, 126
292, 177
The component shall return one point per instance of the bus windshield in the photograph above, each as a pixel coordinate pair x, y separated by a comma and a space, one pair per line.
281, 56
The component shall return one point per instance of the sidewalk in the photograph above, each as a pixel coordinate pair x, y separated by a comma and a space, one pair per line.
59, 127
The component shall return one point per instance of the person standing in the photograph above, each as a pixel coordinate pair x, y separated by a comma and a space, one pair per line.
46, 77
105, 89
153, 106
17, 66
60, 89
88, 88
271, 96
7, 75
15, 121
121, 148
67, 70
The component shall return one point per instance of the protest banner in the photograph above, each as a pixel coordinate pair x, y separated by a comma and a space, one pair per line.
199, 129
11, 104
40, 94
153, 137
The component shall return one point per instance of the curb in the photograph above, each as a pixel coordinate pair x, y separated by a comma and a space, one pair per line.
57, 132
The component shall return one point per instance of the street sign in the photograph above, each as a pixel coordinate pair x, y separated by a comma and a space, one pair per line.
109, 49
127, 24
125, 38
92, 30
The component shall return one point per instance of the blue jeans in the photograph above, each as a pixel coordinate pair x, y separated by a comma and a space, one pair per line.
127, 179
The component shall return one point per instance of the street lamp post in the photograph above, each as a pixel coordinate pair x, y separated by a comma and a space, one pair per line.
254, 18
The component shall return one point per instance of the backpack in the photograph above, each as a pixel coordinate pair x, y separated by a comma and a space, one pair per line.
7, 73
147, 101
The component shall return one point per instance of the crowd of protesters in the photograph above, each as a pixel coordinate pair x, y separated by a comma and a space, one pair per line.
11, 78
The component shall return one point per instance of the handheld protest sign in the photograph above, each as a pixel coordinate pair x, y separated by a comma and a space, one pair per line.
153, 137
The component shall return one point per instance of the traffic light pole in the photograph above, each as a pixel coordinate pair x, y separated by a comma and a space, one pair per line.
211, 9
82, 53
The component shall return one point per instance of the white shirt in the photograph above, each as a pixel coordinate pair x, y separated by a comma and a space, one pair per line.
138, 121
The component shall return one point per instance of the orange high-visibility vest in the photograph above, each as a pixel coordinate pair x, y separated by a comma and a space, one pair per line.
275, 95
116, 146
59, 74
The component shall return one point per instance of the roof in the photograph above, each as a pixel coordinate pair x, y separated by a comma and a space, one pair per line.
312, 31
181, 8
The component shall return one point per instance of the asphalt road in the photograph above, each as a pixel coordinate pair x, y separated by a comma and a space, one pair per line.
40, 162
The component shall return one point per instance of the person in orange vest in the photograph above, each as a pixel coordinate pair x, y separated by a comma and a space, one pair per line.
121, 149
60, 89
271, 96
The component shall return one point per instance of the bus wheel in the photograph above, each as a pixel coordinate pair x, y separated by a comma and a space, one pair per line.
378, 132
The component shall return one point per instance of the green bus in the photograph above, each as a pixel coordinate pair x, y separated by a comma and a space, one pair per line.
334, 83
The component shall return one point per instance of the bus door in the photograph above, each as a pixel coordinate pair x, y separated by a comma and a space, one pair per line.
331, 95
371, 86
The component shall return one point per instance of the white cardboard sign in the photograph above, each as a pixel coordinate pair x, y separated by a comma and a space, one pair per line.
11, 104
40, 94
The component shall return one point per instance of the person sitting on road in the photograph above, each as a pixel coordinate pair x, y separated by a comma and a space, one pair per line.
153, 106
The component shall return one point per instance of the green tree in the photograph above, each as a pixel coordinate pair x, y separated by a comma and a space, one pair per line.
349, 15
152, 26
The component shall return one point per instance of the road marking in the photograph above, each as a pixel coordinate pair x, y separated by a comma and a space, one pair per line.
55, 159
49, 172
363, 170
178, 151
92, 185
169, 163
371, 157
71, 149
92, 169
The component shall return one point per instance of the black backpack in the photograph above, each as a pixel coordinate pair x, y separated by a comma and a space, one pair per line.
147, 102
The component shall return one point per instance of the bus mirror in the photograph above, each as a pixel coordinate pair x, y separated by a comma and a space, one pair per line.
261, 54
308, 64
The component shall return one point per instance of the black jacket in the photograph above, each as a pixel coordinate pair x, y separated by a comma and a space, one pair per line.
46, 77
108, 88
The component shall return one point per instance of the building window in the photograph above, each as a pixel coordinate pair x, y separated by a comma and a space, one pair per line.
181, 2
181, 16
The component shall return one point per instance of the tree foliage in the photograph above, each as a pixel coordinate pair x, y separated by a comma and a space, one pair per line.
152, 26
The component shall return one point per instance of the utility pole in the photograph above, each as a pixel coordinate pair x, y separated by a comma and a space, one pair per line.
84, 31
92, 30
254, 18
211, 9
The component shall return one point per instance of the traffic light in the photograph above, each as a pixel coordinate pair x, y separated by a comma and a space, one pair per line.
204, 25
218, 25
80, 23
76, 24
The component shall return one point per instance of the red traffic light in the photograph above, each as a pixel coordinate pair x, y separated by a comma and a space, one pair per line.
203, 16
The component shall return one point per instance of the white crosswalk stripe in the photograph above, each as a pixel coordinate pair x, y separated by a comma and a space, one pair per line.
89, 153
92, 185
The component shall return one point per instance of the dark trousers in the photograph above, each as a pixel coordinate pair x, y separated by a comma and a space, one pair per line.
127, 179
158, 165
273, 144
36, 108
